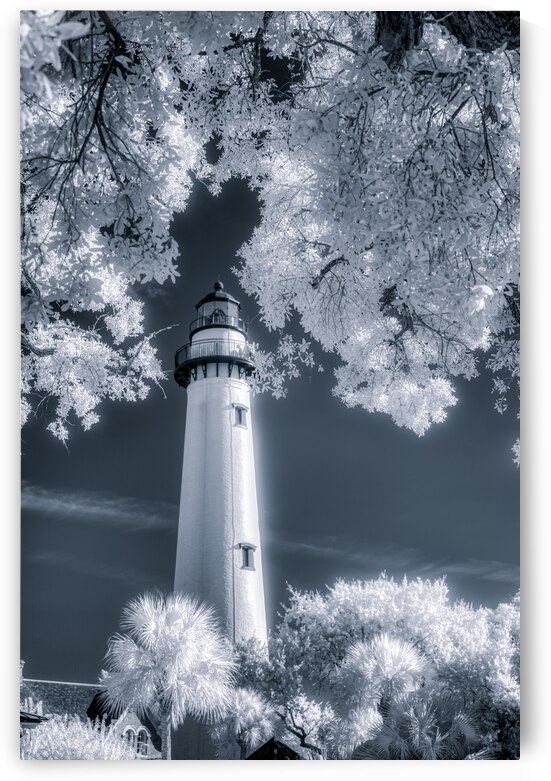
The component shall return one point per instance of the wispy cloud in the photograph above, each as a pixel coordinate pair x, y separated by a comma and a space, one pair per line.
129, 513
484, 569
116, 570
394, 559
332, 548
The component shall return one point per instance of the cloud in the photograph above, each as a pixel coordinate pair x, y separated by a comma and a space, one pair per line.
404, 560
484, 569
331, 548
129, 513
115, 570
51, 558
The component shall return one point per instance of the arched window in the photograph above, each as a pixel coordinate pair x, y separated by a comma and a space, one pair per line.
142, 742
130, 736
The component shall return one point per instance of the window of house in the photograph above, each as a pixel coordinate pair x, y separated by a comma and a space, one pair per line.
142, 741
130, 736
240, 415
247, 553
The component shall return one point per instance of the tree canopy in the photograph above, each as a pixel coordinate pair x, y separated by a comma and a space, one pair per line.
384, 151
356, 669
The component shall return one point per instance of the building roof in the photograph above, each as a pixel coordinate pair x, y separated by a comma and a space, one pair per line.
98, 710
274, 749
60, 697
30, 719
218, 295
78, 699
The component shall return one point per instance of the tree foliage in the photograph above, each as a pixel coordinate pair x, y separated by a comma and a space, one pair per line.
106, 162
421, 726
67, 737
172, 662
355, 666
384, 151
248, 722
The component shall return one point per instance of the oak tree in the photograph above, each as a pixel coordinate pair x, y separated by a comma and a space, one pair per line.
384, 150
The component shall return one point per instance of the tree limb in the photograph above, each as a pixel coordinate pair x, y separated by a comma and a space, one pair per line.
326, 269
484, 30
41, 352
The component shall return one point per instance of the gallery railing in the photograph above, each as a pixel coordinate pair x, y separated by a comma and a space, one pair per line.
214, 348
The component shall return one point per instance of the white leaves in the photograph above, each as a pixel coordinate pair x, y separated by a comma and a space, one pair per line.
405, 667
41, 34
414, 399
78, 368
173, 659
480, 294
516, 452
69, 738
97, 207
274, 369
248, 722
59, 430
384, 667
369, 180
365, 165
41, 37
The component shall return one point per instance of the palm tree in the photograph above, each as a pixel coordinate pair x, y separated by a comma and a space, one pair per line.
361, 725
248, 721
392, 713
173, 662
422, 725
372, 673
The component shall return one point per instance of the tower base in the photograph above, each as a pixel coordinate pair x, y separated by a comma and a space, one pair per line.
191, 741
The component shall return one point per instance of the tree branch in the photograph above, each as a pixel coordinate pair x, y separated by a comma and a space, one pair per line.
41, 352
326, 269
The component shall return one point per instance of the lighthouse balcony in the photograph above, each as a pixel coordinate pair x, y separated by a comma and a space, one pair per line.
196, 355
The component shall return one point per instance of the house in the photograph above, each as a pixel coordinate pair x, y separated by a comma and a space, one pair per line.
43, 699
27, 720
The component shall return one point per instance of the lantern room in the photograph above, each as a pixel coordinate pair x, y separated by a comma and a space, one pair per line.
218, 342
218, 310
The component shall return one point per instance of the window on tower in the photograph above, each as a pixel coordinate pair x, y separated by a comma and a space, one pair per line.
240, 415
247, 553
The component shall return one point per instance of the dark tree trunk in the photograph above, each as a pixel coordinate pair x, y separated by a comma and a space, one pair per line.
166, 736
484, 30
399, 31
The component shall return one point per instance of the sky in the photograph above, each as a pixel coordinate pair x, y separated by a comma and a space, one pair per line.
342, 493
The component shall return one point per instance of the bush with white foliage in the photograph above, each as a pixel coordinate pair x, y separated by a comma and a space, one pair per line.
67, 737
355, 650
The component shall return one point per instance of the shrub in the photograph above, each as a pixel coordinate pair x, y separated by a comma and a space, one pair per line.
67, 737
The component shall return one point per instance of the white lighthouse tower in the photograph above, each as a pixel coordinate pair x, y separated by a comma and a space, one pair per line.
218, 555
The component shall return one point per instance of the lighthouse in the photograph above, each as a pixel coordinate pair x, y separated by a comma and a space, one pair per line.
218, 556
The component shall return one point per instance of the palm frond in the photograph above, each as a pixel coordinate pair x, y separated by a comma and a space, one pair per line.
173, 659
362, 725
249, 720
